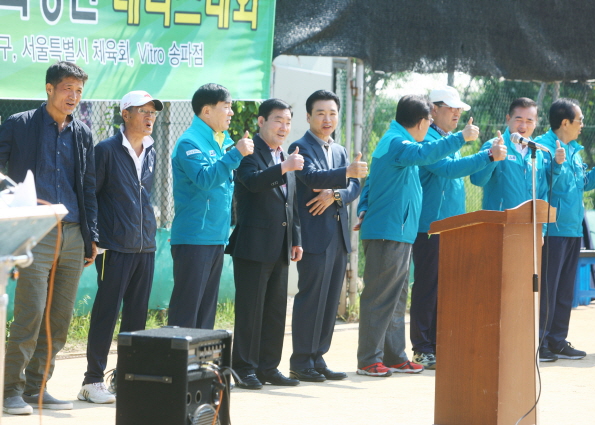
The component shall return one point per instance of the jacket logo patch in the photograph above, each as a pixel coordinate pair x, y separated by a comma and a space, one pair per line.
212, 153
511, 158
192, 152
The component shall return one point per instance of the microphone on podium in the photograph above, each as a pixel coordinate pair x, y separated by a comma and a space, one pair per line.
517, 139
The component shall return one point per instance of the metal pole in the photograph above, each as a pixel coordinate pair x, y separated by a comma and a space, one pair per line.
357, 147
5, 267
348, 146
349, 107
535, 275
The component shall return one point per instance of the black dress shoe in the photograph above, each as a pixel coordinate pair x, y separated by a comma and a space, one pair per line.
329, 374
276, 378
307, 375
248, 381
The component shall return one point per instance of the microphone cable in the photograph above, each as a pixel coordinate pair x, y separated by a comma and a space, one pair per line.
547, 307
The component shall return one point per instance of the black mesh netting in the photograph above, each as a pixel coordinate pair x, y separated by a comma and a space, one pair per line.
544, 40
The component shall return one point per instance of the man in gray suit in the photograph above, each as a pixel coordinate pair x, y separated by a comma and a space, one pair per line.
325, 186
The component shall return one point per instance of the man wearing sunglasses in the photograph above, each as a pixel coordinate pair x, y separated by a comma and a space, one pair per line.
443, 197
125, 167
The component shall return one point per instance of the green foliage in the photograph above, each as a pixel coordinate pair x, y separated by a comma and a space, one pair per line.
352, 313
225, 315
110, 118
79, 326
245, 118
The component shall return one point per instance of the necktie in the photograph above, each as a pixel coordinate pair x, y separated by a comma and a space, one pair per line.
329, 159
278, 155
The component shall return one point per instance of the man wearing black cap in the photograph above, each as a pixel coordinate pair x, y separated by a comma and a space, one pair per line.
125, 166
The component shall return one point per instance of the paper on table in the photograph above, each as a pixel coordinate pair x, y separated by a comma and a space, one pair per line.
25, 194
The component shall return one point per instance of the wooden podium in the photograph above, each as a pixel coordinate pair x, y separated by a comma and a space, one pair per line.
487, 310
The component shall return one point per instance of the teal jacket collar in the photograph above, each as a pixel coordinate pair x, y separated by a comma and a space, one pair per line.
549, 140
395, 129
207, 132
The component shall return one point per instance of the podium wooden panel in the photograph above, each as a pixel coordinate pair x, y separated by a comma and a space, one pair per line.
486, 325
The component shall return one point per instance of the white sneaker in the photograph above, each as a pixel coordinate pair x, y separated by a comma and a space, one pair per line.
427, 360
96, 393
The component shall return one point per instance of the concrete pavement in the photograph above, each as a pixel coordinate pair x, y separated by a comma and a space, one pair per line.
568, 391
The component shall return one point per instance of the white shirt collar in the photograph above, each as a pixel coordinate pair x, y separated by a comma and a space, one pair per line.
147, 140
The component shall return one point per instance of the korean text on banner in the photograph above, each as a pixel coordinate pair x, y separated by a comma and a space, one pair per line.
167, 47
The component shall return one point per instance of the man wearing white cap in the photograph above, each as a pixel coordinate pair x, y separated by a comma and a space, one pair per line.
125, 166
443, 197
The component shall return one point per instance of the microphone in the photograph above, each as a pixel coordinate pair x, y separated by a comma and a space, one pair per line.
517, 139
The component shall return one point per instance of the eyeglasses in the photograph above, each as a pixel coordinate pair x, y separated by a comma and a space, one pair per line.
444, 105
580, 120
429, 119
147, 112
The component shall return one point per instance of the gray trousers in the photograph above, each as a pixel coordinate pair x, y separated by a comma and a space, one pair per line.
383, 302
26, 349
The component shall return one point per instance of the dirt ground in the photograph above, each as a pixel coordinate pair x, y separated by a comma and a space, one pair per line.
568, 396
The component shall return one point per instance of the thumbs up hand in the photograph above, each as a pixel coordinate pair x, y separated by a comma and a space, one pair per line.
498, 148
358, 168
470, 132
560, 156
245, 145
293, 162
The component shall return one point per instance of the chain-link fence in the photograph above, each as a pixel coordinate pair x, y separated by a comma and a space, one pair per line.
489, 100
104, 119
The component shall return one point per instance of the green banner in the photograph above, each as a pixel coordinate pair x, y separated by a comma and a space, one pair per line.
166, 47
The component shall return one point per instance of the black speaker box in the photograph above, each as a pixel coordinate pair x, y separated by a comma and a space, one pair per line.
170, 376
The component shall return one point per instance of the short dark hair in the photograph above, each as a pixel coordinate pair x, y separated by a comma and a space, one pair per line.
321, 95
269, 105
411, 109
61, 70
562, 109
521, 102
209, 94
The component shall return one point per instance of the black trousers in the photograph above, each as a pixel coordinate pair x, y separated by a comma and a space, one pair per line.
260, 310
557, 289
315, 305
424, 293
121, 278
197, 272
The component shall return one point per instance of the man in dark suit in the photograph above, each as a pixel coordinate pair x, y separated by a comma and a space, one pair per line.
325, 186
266, 237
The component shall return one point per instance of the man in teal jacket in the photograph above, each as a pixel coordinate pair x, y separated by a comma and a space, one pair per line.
391, 202
443, 197
202, 168
507, 184
563, 240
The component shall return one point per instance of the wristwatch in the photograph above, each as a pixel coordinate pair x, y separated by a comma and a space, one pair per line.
337, 197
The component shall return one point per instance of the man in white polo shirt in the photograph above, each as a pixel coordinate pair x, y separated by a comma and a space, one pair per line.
125, 167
